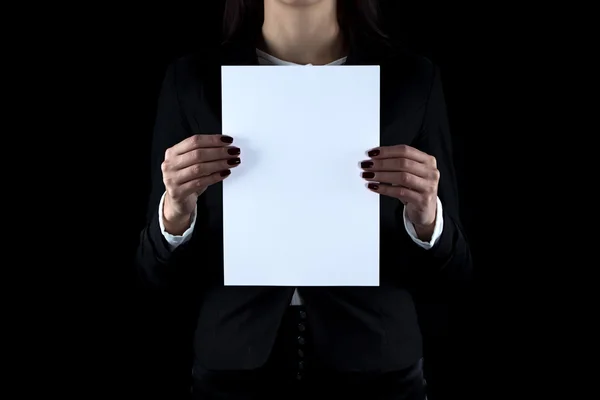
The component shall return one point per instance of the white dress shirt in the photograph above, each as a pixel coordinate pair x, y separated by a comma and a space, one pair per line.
175, 241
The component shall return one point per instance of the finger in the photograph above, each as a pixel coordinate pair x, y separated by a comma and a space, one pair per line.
404, 194
405, 179
195, 185
205, 155
397, 164
200, 141
401, 151
204, 169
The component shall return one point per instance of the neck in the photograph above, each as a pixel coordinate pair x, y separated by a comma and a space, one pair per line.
303, 34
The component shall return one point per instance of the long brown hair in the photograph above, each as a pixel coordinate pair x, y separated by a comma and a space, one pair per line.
359, 19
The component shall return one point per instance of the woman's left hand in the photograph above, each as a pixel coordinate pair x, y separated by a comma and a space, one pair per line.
407, 174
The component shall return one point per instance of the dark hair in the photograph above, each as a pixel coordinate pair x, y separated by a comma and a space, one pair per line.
359, 19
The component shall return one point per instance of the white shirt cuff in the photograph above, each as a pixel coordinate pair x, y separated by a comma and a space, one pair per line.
437, 230
175, 241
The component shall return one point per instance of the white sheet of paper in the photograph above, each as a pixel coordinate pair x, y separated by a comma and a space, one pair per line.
297, 212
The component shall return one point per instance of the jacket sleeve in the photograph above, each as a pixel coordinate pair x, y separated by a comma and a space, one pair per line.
156, 262
450, 254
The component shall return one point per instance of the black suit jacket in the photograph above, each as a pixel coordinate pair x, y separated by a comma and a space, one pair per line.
354, 328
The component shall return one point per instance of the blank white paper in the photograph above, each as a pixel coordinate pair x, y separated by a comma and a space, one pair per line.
297, 212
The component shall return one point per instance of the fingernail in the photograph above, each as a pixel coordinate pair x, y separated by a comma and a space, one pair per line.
368, 175
225, 173
373, 186
226, 139
233, 161
373, 153
234, 151
366, 164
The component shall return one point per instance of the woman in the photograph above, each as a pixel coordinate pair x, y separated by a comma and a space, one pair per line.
278, 342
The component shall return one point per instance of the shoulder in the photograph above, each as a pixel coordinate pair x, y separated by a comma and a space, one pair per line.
405, 69
406, 84
195, 78
203, 66
190, 69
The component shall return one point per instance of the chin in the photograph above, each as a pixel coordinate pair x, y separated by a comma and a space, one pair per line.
300, 2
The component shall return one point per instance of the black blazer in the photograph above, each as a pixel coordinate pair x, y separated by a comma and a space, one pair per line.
354, 328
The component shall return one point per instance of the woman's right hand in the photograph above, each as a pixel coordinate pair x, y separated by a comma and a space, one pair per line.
188, 169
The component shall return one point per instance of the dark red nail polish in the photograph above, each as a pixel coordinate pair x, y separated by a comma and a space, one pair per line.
226, 139
373, 186
373, 153
233, 161
234, 151
366, 164
368, 175
225, 173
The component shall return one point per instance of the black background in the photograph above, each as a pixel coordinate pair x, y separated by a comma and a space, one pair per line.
130, 55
